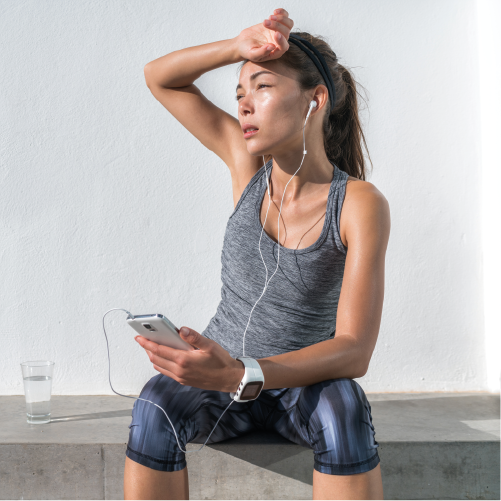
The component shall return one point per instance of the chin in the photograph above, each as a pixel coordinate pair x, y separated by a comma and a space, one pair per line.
255, 153
258, 152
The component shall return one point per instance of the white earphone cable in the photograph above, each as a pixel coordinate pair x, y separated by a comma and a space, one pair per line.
137, 398
312, 105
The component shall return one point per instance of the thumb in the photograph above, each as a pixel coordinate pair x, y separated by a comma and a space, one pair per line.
194, 338
263, 51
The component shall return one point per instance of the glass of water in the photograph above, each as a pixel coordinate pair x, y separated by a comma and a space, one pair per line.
37, 379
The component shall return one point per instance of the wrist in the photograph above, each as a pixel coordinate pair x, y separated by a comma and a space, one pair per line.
236, 375
234, 44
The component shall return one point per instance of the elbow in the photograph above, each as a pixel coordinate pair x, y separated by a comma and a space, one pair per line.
363, 366
363, 359
147, 75
363, 372
357, 372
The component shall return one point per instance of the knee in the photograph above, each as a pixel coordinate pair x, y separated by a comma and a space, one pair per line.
158, 397
340, 427
335, 396
337, 409
152, 440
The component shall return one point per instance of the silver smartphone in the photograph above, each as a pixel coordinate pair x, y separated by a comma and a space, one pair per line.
159, 329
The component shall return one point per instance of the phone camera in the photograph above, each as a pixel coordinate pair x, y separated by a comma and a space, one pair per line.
149, 327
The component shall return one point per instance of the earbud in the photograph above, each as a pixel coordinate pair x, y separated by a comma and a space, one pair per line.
313, 104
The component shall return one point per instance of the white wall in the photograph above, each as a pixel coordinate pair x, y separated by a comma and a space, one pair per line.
489, 61
108, 202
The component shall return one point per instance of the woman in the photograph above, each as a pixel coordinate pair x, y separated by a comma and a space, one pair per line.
315, 327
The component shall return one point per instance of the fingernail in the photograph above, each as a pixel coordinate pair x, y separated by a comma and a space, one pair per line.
279, 36
185, 331
267, 23
274, 18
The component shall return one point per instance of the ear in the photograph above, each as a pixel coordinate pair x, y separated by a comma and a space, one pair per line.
321, 97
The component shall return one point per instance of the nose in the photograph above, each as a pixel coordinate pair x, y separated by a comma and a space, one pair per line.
244, 105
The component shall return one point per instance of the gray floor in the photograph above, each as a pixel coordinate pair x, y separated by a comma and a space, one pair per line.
432, 446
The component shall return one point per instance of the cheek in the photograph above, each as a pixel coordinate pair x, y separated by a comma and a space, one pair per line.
277, 118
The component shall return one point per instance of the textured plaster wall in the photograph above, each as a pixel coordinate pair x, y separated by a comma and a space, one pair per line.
489, 62
108, 202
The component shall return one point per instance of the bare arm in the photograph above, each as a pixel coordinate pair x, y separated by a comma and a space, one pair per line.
366, 220
365, 228
182, 67
170, 79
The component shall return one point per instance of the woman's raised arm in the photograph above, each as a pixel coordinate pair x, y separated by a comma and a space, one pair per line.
170, 79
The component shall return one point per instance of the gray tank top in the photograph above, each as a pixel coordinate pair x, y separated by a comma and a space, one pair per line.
299, 306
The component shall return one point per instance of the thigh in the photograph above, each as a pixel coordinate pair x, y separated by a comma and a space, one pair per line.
334, 418
193, 413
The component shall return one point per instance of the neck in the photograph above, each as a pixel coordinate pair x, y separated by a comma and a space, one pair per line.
315, 170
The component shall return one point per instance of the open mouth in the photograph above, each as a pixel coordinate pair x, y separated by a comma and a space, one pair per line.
250, 133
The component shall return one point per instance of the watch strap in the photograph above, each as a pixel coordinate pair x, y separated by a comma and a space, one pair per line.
252, 363
253, 376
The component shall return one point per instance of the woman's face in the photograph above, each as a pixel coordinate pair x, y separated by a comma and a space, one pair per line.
269, 99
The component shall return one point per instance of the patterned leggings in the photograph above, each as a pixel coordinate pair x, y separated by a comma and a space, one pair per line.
332, 417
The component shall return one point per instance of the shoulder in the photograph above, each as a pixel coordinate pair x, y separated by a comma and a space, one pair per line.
363, 193
365, 212
243, 169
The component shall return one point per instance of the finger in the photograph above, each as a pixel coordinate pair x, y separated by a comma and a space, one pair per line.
281, 12
159, 349
276, 26
169, 374
147, 344
168, 365
288, 23
283, 44
195, 339
264, 52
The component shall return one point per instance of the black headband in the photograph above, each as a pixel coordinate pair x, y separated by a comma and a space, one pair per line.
322, 67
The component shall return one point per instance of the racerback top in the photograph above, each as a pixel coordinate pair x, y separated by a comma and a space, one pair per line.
299, 306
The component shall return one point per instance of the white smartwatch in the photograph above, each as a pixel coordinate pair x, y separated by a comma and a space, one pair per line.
252, 383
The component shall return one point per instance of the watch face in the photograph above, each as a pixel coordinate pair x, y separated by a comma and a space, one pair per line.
251, 390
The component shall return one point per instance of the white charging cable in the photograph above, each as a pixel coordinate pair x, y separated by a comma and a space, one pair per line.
313, 104
137, 398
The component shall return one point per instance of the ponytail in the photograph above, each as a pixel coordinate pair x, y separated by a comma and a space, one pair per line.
343, 135
342, 130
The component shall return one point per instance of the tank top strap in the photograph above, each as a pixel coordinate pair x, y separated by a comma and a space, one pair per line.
299, 307
256, 178
338, 194
252, 194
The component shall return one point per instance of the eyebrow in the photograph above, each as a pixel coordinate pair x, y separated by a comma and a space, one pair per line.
253, 77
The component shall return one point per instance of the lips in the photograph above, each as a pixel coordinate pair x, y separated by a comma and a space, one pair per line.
247, 132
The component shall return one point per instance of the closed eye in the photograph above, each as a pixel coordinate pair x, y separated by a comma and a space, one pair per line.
260, 85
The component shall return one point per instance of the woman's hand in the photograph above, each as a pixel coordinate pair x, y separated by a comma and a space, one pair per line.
210, 367
261, 42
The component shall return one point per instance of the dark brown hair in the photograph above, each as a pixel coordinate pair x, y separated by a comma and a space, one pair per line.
342, 130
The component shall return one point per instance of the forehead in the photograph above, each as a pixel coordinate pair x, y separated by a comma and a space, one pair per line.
250, 71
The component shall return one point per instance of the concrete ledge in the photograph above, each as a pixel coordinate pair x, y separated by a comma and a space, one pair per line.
431, 445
